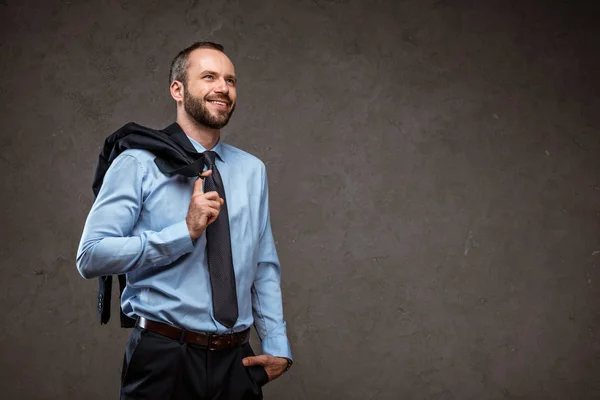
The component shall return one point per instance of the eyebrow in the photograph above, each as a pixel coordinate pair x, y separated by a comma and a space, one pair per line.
215, 73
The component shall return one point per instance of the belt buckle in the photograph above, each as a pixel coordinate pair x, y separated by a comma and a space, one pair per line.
211, 344
216, 342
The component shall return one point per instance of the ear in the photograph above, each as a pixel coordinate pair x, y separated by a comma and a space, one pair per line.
177, 90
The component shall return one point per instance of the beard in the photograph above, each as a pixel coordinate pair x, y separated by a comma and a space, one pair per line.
197, 109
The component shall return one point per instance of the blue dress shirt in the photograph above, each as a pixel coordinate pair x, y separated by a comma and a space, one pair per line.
137, 227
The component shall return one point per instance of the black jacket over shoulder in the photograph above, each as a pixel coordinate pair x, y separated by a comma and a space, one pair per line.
175, 155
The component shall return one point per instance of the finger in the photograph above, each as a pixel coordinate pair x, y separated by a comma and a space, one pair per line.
211, 215
214, 214
197, 187
211, 196
198, 183
214, 205
256, 360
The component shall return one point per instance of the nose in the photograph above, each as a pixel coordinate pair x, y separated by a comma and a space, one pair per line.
222, 86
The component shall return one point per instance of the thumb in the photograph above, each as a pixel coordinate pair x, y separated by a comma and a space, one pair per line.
198, 187
255, 360
198, 183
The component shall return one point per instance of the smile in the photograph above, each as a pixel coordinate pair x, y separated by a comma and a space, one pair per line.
219, 103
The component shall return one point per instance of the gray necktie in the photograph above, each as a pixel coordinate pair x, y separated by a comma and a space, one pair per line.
218, 249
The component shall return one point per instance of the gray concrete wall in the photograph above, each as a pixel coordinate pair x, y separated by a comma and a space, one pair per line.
434, 174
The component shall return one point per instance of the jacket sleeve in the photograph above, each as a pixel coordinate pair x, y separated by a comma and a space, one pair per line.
106, 246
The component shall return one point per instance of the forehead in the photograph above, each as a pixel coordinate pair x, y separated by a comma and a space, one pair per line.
209, 59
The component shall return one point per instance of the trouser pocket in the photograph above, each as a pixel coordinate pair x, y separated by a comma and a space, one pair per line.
130, 350
257, 372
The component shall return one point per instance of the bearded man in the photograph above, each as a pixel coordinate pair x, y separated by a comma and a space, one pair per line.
198, 252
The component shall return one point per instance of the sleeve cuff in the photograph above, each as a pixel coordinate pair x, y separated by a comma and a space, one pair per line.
179, 237
277, 346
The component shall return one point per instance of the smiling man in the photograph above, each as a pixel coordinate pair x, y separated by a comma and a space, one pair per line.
198, 253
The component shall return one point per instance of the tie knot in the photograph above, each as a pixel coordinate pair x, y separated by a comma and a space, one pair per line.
209, 158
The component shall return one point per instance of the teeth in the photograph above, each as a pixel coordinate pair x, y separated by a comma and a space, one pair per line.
218, 102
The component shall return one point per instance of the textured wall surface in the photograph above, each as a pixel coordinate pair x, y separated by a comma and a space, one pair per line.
434, 173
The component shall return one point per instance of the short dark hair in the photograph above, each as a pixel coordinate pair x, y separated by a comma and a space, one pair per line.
180, 63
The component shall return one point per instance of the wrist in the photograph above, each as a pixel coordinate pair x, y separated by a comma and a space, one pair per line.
194, 233
289, 364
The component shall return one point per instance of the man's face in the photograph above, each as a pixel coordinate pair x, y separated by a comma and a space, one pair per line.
209, 93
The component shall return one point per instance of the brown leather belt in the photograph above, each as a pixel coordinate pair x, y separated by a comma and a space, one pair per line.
212, 342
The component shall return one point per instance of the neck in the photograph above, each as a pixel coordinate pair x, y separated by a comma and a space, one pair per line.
204, 135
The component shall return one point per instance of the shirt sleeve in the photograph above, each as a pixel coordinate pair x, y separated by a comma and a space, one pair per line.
266, 292
106, 246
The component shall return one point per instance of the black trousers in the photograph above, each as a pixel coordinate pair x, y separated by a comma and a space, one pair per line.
156, 367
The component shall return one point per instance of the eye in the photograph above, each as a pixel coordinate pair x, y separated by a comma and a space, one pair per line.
208, 77
231, 81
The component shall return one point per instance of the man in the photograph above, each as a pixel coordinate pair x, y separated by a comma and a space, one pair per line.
198, 253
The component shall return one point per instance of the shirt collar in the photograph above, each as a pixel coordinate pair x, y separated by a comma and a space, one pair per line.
219, 148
